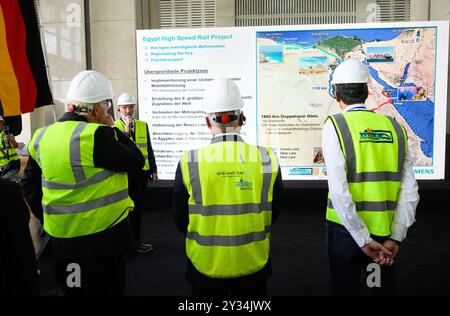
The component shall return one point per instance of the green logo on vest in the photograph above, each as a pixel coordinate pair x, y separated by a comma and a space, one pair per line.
244, 185
371, 136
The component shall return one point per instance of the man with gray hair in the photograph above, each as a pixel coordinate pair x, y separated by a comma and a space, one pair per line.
138, 132
83, 164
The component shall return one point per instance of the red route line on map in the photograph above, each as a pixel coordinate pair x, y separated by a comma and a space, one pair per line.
385, 103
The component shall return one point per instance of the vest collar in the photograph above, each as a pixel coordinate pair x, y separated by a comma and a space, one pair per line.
69, 116
227, 137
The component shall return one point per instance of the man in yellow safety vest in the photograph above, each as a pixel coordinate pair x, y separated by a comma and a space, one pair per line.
138, 132
78, 171
9, 160
226, 198
373, 194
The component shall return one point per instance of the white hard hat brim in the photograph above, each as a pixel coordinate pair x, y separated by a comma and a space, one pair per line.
351, 71
89, 87
222, 95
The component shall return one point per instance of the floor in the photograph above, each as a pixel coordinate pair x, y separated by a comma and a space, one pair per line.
298, 256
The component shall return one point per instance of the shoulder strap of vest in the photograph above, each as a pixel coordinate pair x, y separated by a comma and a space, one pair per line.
33, 147
119, 124
333, 119
266, 161
194, 175
141, 124
402, 138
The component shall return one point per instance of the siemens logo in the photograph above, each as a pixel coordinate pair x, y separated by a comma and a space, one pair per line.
424, 171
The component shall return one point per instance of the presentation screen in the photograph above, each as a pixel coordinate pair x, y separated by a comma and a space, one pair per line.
284, 75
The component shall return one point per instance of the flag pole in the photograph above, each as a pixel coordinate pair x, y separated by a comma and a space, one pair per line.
44, 49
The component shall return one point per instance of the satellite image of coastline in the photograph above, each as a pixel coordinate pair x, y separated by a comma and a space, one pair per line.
295, 97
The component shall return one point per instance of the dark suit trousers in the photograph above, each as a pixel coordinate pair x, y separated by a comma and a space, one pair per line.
348, 266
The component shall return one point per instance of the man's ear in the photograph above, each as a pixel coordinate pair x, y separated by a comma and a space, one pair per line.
208, 122
242, 119
95, 109
337, 96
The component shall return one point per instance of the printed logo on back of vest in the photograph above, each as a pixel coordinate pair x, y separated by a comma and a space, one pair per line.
244, 185
374, 136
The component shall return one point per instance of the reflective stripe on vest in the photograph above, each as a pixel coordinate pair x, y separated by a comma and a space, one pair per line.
75, 154
36, 146
245, 225
86, 206
6, 154
229, 241
82, 199
231, 209
372, 206
375, 186
97, 178
141, 141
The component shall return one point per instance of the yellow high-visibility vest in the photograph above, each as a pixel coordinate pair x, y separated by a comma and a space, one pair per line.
374, 147
230, 184
6, 154
141, 138
78, 198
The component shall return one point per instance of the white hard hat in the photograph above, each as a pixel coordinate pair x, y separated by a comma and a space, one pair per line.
351, 71
126, 99
222, 95
89, 86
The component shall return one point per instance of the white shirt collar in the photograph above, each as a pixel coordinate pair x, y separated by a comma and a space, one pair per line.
353, 107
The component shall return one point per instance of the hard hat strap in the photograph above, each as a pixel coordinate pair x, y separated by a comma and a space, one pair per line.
78, 109
225, 119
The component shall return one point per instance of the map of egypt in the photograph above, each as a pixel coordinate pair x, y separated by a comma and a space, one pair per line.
295, 95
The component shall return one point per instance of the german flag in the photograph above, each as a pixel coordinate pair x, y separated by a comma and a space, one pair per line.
23, 76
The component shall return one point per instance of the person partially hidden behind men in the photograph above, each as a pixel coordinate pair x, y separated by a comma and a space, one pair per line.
138, 132
9, 160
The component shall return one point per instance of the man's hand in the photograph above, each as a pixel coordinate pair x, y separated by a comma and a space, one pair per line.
378, 253
128, 120
11, 141
392, 246
154, 177
384, 260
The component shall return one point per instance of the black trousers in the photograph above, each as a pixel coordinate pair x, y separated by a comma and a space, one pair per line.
348, 262
137, 186
253, 285
100, 276
231, 290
